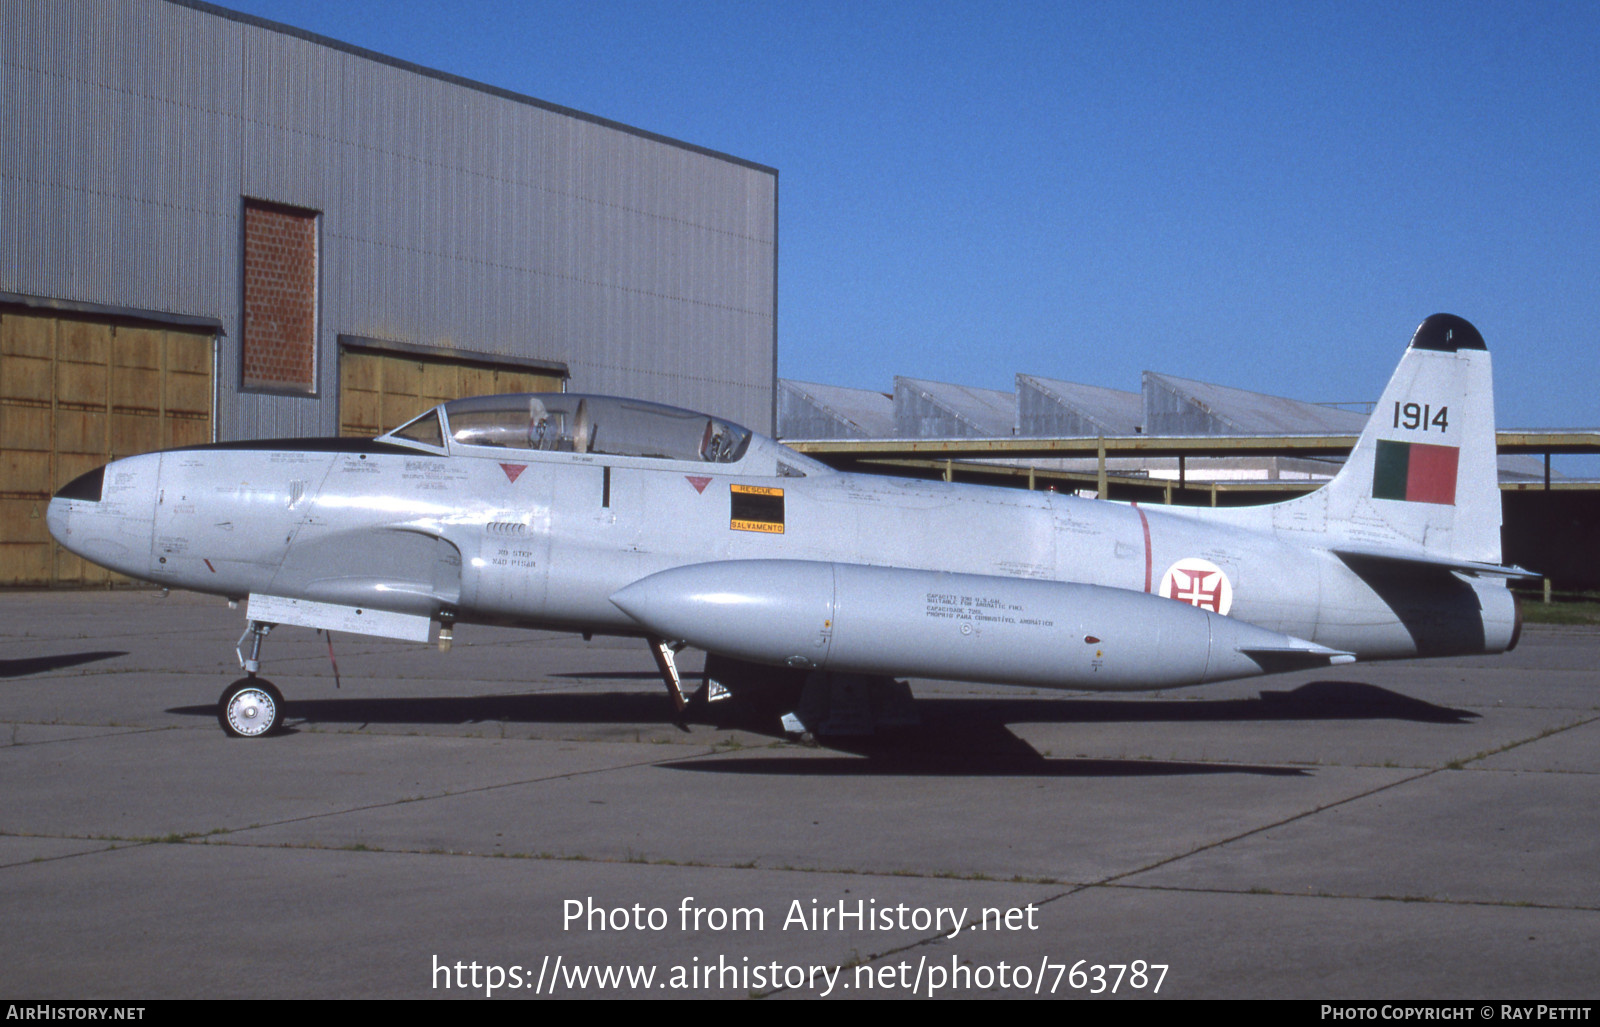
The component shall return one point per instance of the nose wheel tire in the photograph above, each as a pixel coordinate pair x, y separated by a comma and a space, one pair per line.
250, 708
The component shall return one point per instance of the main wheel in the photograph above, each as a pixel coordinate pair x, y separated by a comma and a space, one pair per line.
250, 708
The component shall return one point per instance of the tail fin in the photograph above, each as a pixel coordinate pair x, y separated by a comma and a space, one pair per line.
1423, 479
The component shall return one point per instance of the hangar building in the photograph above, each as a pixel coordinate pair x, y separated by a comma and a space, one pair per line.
216, 227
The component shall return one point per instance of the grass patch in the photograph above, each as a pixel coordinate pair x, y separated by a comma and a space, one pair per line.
1563, 608
1580, 612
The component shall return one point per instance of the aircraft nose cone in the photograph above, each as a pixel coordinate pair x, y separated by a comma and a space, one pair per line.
107, 516
85, 488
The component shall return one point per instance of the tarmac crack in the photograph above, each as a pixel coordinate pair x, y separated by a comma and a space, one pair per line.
1349, 897
1115, 881
1260, 829
109, 845
451, 794
117, 731
1549, 732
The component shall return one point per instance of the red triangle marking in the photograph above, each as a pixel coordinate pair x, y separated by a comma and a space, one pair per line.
698, 482
513, 470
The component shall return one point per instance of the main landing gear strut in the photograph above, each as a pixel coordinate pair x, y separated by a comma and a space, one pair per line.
252, 706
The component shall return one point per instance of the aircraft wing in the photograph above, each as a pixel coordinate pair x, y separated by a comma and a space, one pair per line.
1403, 558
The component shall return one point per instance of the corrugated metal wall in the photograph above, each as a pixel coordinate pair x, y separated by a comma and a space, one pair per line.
1166, 412
940, 410
453, 215
1041, 414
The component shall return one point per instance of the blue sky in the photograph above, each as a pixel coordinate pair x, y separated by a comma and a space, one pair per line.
1265, 195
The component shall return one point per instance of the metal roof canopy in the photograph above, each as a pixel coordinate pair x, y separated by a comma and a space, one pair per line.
1183, 406
950, 470
1049, 406
921, 404
1566, 441
855, 413
940, 455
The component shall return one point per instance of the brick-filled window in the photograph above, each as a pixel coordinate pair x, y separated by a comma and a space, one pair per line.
280, 298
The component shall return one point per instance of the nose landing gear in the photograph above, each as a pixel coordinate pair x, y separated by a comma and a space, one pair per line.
251, 707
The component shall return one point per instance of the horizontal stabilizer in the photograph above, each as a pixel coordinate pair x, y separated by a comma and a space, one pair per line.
1432, 561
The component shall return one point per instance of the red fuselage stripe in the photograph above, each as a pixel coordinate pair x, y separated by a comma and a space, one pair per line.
1144, 522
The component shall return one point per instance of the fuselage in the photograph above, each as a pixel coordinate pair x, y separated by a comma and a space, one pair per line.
543, 536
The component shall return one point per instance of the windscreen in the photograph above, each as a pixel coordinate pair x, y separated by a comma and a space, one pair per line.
594, 424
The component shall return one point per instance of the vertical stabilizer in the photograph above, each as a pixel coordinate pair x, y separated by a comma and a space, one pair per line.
1423, 476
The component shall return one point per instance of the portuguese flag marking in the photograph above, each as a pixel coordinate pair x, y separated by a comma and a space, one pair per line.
1415, 472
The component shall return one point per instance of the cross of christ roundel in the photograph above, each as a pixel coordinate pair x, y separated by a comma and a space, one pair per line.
1199, 583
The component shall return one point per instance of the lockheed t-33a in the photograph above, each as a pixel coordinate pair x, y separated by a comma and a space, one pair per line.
601, 515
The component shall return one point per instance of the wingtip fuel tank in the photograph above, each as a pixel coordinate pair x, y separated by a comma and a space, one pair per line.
850, 618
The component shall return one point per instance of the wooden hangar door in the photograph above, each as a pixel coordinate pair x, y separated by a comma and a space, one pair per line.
380, 390
76, 392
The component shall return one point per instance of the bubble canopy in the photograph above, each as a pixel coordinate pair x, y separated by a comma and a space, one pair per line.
605, 425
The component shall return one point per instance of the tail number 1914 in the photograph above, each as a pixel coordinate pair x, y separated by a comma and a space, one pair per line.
1421, 415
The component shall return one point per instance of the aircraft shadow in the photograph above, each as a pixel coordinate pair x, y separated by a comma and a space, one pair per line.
40, 664
956, 736
949, 763
970, 737
549, 708
1315, 700
620, 675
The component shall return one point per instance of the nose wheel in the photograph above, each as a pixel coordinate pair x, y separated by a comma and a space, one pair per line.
250, 708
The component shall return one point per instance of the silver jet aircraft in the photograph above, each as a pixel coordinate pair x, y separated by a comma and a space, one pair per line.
601, 515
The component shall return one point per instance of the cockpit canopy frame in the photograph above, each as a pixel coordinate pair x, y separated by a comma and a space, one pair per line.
573, 423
